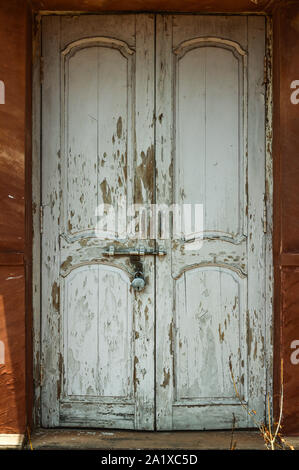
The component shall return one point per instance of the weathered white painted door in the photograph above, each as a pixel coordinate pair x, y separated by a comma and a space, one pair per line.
192, 134
210, 138
97, 146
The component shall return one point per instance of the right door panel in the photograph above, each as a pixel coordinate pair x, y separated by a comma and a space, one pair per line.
210, 151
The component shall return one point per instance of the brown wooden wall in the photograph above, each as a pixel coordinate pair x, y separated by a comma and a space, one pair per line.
15, 199
15, 67
286, 206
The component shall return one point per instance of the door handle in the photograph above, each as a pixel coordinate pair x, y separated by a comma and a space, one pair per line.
112, 251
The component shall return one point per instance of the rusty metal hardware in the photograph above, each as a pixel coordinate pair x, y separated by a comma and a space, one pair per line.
112, 251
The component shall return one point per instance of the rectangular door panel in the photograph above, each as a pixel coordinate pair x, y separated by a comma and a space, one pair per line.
97, 333
210, 147
144, 109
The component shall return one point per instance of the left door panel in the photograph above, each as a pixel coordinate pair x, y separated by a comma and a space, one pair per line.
97, 123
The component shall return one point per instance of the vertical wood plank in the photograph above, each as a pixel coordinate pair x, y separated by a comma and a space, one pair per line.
256, 238
164, 180
269, 274
36, 236
144, 194
50, 236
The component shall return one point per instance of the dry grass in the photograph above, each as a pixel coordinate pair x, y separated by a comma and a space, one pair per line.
271, 432
233, 443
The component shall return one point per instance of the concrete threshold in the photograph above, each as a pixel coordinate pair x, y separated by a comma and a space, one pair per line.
59, 439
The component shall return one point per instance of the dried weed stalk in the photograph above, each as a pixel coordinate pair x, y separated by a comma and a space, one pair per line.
273, 438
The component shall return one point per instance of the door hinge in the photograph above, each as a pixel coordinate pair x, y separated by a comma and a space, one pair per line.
41, 218
41, 69
265, 214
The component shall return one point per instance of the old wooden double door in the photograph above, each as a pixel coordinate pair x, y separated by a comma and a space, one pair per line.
153, 109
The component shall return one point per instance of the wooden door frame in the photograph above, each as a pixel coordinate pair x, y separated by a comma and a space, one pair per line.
37, 76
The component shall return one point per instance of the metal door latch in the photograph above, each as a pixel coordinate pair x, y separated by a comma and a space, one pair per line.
112, 251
